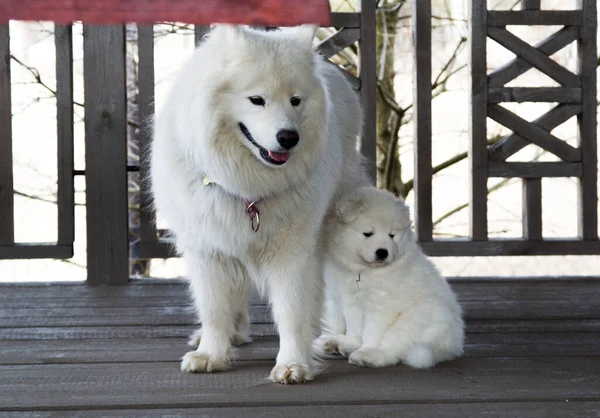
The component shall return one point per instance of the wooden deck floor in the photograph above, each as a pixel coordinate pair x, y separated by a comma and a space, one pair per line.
533, 350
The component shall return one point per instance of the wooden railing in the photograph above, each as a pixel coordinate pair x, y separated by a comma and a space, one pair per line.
106, 138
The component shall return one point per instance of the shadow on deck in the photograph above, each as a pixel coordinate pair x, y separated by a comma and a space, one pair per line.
532, 350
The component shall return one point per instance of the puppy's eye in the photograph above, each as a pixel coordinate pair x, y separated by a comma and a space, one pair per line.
367, 234
295, 101
257, 100
392, 236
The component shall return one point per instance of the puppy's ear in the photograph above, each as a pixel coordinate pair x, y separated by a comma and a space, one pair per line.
304, 34
349, 207
403, 212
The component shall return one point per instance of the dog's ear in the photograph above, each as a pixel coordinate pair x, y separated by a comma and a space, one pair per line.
349, 207
403, 212
304, 34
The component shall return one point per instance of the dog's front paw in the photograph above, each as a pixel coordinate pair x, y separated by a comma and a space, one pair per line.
367, 357
290, 373
197, 362
327, 345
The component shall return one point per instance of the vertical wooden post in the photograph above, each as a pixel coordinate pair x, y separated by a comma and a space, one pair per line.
146, 109
368, 89
63, 41
422, 118
478, 120
106, 154
532, 209
7, 221
588, 184
199, 32
530, 4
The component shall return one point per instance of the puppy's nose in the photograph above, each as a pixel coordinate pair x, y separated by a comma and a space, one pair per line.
381, 254
288, 139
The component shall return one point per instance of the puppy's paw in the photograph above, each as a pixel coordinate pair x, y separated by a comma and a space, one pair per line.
327, 345
197, 362
240, 339
290, 373
195, 338
367, 357
345, 349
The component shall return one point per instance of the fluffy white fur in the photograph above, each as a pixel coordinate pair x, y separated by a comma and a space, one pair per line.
197, 134
384, 311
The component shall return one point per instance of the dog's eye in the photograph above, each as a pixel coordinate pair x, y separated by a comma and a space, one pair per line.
367, 234
295, 101
392, 236
257, 100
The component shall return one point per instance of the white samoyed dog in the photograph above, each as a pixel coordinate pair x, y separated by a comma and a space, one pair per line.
255, 141
386, 302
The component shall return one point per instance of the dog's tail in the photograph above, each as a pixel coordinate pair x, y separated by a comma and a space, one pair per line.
419, 356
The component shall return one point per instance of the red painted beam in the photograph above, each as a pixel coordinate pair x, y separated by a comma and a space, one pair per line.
201, 12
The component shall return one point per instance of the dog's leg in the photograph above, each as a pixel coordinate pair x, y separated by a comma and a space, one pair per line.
296, 294
242, 321
215, 282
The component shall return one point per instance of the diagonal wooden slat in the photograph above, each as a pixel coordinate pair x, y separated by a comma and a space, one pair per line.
548, 46
514, 142
535, 57
534, 133
338, 41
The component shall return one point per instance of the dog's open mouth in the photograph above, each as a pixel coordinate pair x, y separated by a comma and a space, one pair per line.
272, 157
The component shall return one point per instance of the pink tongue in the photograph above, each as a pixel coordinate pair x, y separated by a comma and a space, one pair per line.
280, 157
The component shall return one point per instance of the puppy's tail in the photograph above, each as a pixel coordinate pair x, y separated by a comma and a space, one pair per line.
419, 356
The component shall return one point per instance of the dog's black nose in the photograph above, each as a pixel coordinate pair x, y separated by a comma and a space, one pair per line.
288, 139
381, 254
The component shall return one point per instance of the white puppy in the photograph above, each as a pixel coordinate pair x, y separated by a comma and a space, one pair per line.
386, 302
255, 141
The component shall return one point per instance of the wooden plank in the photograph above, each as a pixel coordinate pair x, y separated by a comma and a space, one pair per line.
338, 41
514, 142
266, 330
512, 307
454, 248
106, 154
200, 32
548, 46
123, 350
535, 170
532, 209
7, 216
174, 293
63, 41
423, 172
534, 94
163, 384
117, 317
345, 20
33, 251
264, 12
111, 331
534, 57
503, 18
534, 133
146, 111
530, 4
588, 63
571, 409
478, 27
368, 86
